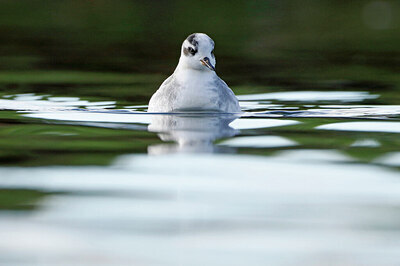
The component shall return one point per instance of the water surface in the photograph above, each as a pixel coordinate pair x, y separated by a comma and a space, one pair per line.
307, 173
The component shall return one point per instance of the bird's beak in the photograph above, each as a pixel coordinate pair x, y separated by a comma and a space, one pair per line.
206, 62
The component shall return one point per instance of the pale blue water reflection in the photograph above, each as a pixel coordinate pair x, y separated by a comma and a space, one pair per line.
273, 186
216, 210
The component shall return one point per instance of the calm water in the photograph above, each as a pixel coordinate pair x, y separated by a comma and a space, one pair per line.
308, 174
300, 178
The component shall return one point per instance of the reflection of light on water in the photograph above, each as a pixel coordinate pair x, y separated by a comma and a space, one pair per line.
241, 208
293, 205
31, 102
248, 123
85, 116
366, 143
311, 96
391, 127
389, 159
315, 156
258, 142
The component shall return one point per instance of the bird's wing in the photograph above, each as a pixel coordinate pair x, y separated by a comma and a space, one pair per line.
164, 97
226, 96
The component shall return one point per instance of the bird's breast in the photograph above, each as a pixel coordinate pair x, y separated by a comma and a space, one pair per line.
197, 96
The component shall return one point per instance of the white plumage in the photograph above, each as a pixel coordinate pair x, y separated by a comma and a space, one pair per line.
194, 85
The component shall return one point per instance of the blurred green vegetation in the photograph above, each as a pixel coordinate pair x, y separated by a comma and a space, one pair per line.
286, 44
145, 36
72, 77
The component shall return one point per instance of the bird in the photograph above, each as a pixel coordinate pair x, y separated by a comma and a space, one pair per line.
195, 85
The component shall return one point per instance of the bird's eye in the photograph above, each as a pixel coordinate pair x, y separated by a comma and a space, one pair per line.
212, 53
191, 50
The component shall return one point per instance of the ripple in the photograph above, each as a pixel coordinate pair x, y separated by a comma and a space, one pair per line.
390, 127
249, 123
311, 96
258, 142
85, 116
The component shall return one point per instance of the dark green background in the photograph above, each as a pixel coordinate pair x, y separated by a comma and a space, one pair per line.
257, 42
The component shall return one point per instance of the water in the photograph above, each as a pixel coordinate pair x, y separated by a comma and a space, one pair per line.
290, 181
308, 174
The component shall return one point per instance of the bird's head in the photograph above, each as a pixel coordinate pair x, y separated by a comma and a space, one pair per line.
198, 52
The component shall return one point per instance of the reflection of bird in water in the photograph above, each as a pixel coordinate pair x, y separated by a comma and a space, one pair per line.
195, 85
192, 133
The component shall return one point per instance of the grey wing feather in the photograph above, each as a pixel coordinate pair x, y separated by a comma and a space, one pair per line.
227, 100
164, 97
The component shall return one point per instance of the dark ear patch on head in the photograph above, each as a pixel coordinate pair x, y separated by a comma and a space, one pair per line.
192, 40
189, 51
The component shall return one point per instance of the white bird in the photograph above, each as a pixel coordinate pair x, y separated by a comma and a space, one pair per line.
194, 85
